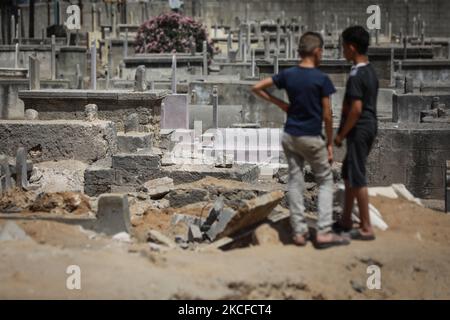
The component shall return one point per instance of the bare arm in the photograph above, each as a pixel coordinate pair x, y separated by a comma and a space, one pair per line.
260, 90
350, 122
328, 120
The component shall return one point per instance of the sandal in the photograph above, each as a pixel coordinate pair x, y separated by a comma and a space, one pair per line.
298, 242
355, 234
337, 241
338, 228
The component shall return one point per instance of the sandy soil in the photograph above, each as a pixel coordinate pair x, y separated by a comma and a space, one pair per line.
414, 256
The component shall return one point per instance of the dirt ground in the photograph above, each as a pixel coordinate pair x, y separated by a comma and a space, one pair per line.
413, 254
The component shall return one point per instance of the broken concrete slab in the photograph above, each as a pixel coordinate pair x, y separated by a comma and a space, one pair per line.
187, 219
158, 238
182, 197
158, 188
113, 214
251, 213
213, 213
217, 229
194, 233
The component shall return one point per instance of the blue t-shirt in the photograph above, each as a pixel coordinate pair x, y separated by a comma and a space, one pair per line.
305, 88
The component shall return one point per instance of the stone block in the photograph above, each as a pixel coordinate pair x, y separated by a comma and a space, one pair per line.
190, 173
59, 139
158, 188
136, 161
133, 141
194, 233
98, 178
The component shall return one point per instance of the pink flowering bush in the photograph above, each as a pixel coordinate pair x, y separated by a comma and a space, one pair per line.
170, 33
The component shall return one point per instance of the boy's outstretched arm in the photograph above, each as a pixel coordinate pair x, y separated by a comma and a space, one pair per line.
352, 118
328, 120
260, 90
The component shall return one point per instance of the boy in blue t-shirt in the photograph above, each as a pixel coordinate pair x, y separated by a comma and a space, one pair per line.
309, 92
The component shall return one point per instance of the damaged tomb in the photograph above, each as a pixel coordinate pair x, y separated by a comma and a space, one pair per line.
126, 148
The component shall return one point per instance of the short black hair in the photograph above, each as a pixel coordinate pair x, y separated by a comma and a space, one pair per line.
309, 41
357, 36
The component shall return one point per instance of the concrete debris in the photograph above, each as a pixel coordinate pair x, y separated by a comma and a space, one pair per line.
122, 237
158, 188
158, 238
194, 233
182, 197
187, 219
213, 213
31, 114
251, 213
219, 226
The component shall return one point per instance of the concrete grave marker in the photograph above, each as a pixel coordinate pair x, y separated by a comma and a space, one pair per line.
253, 63
79, 77
205, 58
21, 169
16, 56
174, 74
33, 69
240, 40
125, 44
276, 66
139, 79
175, 112
53, 58
266, 45
229, 46
113, 214
93, 65
215, 104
